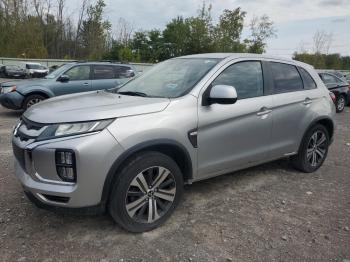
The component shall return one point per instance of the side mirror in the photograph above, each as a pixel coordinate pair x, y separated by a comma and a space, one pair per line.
63, 78
222, 94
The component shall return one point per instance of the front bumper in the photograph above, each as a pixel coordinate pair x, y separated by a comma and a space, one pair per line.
12, 100
36, 170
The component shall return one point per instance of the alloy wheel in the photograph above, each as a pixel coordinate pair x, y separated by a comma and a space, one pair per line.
33, 102
341, 103
317, 148
150, 194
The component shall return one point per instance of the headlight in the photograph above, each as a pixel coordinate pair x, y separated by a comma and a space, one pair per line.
8, 89
70, 129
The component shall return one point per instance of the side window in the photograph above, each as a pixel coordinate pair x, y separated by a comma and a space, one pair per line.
309, 82
79, 73
246, 77
328, 79
103, 72
124, 72
286, 78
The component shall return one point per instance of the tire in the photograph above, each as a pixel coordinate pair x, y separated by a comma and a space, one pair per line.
32, 100
137, 173
318, 152
340, 103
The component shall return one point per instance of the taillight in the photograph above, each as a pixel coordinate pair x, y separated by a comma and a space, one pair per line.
332, 95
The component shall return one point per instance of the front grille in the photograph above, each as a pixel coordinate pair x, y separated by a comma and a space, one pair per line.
19, 155
29, 130
31, 125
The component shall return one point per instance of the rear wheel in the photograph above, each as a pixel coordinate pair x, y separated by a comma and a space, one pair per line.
313, 150
340, 103
148, 189
32, 100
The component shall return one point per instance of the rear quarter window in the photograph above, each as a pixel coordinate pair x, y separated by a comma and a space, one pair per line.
286, 78
309, 82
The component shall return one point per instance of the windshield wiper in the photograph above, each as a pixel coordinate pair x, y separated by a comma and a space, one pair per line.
132, 93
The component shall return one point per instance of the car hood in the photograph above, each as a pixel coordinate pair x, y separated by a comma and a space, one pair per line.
26, 83
92, 106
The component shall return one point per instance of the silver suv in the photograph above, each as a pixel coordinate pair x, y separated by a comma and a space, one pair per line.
131, 149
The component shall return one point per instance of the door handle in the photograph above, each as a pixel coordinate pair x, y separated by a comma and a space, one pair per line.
86, 84
264, 111
307, 101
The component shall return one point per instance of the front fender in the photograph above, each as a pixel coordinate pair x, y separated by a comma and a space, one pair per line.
35, 89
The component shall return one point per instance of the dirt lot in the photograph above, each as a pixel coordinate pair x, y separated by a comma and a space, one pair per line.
267, 213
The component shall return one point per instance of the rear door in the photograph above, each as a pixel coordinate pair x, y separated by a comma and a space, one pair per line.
79, 81
292, 98
104, 77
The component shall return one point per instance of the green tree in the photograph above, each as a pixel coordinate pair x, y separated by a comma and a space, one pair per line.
176, 37
200, 31
261, 29
228, 31
95, 31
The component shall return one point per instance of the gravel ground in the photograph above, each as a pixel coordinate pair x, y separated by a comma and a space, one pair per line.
266, 213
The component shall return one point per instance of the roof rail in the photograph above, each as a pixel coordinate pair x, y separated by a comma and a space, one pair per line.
102, 61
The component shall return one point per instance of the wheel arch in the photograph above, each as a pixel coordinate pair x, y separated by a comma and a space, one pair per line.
34, 93
170, 148
327, 122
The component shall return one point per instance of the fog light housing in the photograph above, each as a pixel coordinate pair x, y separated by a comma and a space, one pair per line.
65, 165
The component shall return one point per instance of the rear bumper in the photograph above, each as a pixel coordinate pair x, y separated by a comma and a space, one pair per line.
12, 100
348, 98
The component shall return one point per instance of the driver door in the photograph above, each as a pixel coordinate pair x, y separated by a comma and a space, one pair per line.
234, 136
79, 81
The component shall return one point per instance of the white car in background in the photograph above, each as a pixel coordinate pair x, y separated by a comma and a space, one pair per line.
35, 69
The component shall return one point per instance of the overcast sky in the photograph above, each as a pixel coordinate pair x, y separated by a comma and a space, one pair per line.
296, 21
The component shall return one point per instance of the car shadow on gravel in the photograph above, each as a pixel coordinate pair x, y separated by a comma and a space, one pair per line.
11, 113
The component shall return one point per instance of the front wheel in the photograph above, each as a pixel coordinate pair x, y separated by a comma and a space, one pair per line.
32, 100
313, 150
146, 192
340, 103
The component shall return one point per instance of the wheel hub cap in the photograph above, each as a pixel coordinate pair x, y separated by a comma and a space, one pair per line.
317, 148
150, 194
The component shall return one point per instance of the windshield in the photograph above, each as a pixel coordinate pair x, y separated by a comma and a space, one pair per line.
33, 66
172, 78
56, 73
13, 67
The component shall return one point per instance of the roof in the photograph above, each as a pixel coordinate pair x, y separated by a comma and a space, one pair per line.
234, 55
245, 55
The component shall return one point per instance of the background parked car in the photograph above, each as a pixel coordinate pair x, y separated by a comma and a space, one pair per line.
2, 68
70, 78
35, 69
13, 71
54, 67
348, 78
339, 87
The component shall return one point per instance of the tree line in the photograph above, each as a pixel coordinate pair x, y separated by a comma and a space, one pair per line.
191, 35
319, 56
44, 29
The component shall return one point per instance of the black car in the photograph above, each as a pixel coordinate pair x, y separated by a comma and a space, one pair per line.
339, 87
13, 71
